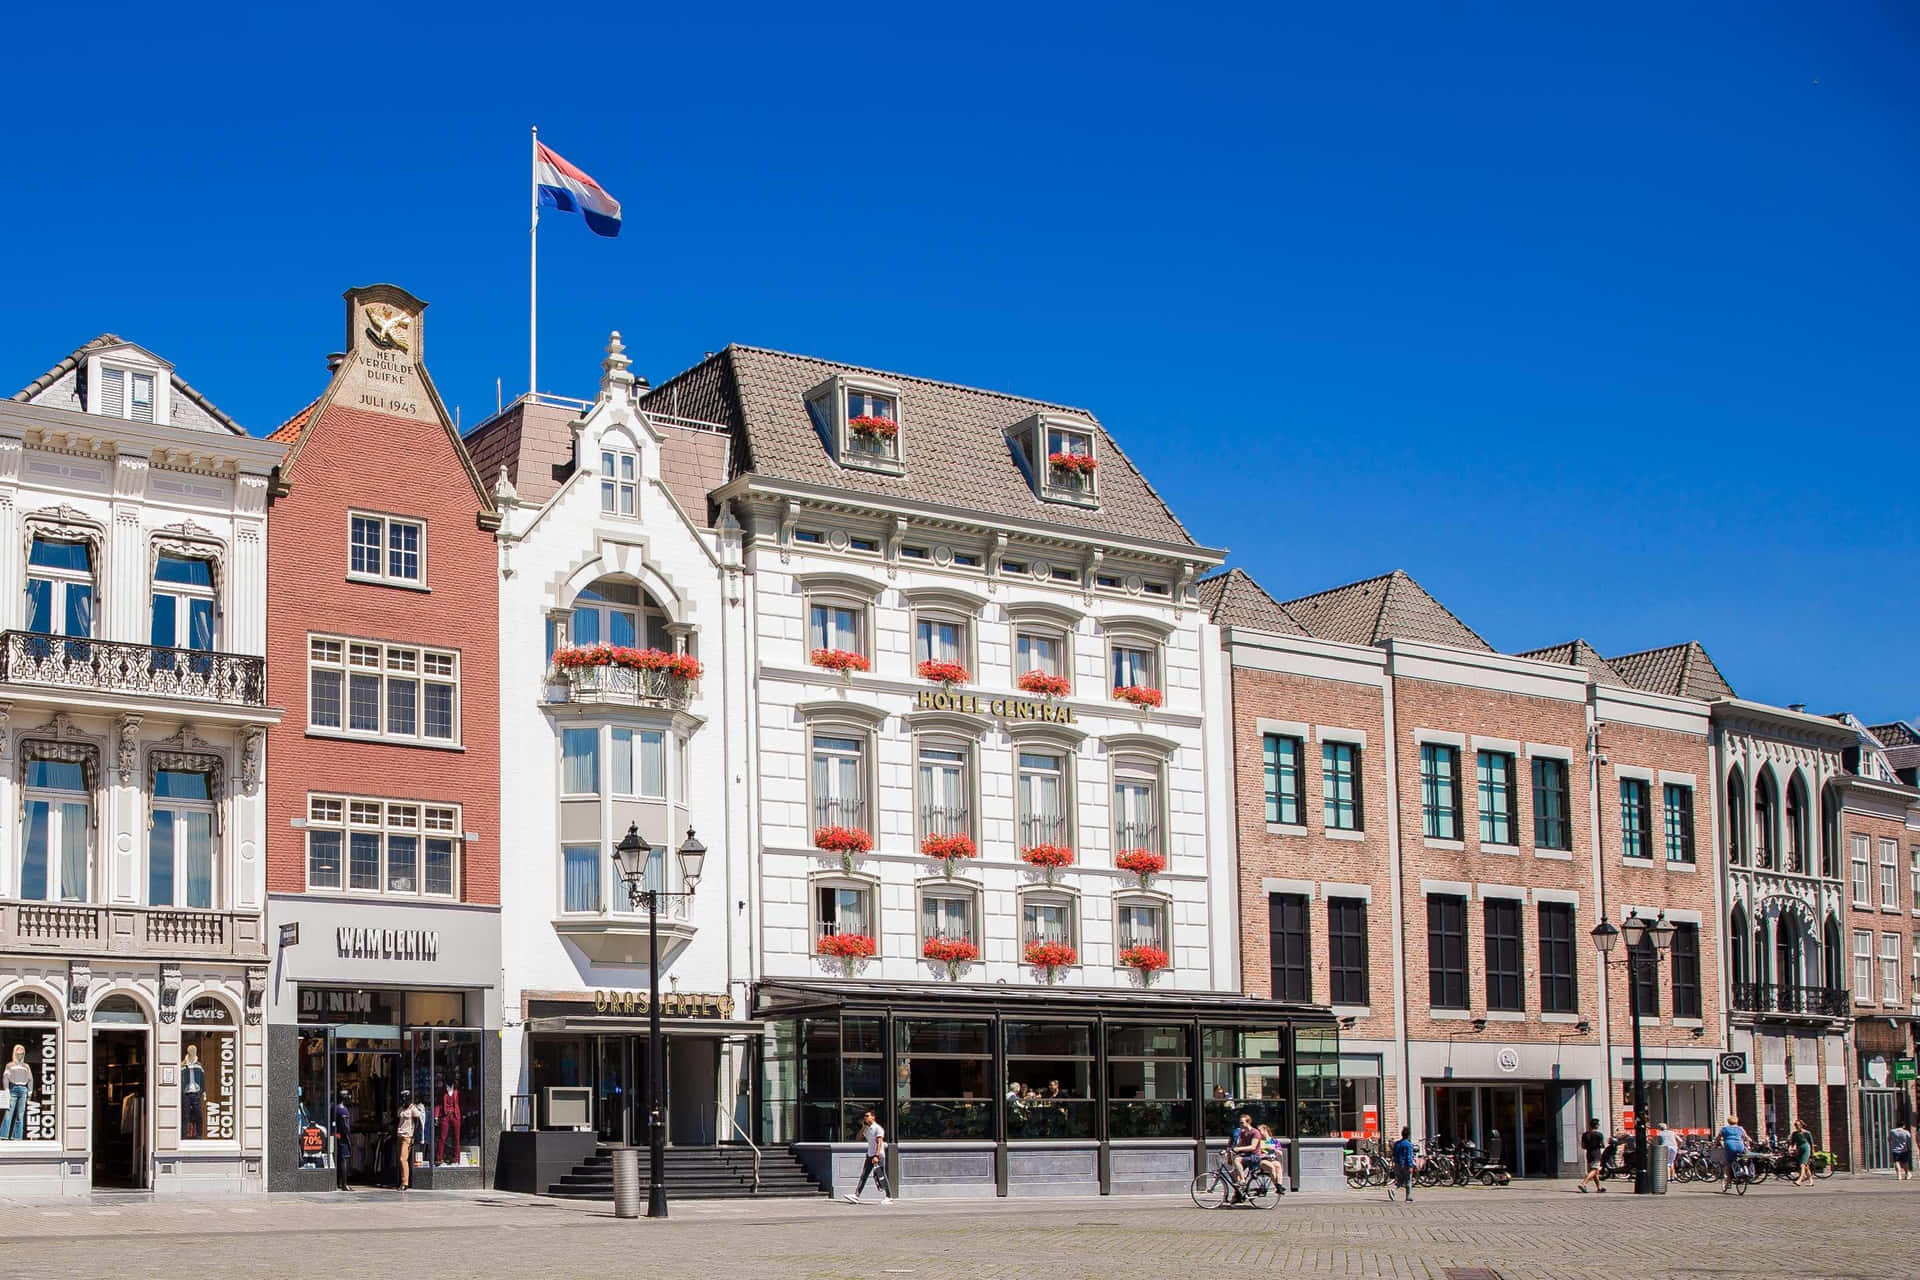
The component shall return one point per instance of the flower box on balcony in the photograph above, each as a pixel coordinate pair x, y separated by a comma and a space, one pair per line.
955, 953
1047, 858
1141, 862
949, 849
1148, 959
1077, 463
946, 674
851, 949
1139, 695
1044, 683
873, 426
1050, 957
845, 841
843, 661
573, 657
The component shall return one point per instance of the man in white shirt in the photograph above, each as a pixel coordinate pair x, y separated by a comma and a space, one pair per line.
1669, 1146
876, 1167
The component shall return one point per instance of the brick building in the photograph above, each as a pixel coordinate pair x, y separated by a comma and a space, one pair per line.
1428, 830
383, 850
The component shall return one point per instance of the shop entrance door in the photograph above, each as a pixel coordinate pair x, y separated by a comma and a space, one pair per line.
371, 1080
1876, 1122
120, 1107
612, 1121
1513, 1121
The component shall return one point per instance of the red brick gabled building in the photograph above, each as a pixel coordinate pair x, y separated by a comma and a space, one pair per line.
384, 777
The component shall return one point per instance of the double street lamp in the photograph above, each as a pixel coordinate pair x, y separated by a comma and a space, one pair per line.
1636, 929
631, 858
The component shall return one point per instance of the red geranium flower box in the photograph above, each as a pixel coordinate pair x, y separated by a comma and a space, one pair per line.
1142, 862
1139, 695
868, 424
842, 840
1145, 958
1051, 955
1047, 857
1044, 683
1081, 462
950, 951
945, 673
841, 660
947, 848
847, 946
573, 657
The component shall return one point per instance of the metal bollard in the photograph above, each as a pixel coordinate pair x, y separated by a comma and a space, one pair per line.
629, 1191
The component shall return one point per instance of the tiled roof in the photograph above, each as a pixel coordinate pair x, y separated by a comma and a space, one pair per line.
289, 430
1897, 733
1678, 670
1390, 607
74, 359
1234, 599
1578, 653
954, 439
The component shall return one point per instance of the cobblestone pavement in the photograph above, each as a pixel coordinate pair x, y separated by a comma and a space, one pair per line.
1863, 1229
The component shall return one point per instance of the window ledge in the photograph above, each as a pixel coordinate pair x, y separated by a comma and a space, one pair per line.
1554, 855
375, 739
1500, 850
1684, 868
1342, 833
1450, 1015
1568, 1019
1286, 829
1636, 862
368, 580
1451, 846
1689, 1023
1352, 1010
1649, 1020
1506, 1015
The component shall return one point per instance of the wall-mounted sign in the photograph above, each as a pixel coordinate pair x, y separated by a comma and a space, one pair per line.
387, 944
999, 708
345, 1004
1905, 1069
674, 1004
26, 1005
290, 934
1733, 1064
1508, 1060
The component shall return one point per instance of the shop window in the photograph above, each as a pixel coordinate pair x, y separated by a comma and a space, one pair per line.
944, 1068
1499, 806
1147, 1070
180, 842
1285, 782
1360, 1102
313, 1073
57, 846
208, 1073
1316, 1081
1049, 1080
1552, 804
1244, 1071
1439, 791
855, 1051
30, 1034
449, 1082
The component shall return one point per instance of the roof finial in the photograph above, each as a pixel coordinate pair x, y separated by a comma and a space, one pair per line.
615, 367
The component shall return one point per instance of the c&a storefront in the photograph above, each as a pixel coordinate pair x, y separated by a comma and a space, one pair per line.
997, 1091
125, 1077
370, 1000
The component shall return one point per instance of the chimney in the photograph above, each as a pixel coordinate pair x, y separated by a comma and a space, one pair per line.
1801, 707
334, 360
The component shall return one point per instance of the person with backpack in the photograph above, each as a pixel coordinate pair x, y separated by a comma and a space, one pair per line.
1594, 1143
1403, 1164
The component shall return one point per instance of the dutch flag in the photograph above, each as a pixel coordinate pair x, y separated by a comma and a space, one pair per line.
570, 190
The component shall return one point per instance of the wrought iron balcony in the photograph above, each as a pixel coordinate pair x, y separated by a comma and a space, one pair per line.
626, 686
1799, 1002
119, 666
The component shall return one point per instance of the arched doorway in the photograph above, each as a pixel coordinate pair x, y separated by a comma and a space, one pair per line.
122, 1093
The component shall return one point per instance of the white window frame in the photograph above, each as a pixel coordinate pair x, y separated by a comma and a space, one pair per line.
834, 400
61, 582
1064, 756
386, 524
1891, 944
1889, 874
1132, 772
922, 766
932, 620
426, 822
1859, 855
159, 391
861, 635
1159, 904
181, 596
1135, 644
1863, 966
178, 809
863, 771
56, 799
619, 482
1054, 896
953, 891
346, 658
1028, 631
863, 885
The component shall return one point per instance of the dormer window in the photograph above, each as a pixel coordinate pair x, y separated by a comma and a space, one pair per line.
127, 390
860, 422
1061, 458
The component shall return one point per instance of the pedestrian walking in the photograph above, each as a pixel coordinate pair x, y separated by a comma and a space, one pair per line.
342, 1139
1403, 1164
1594, 1143
1670, 1146
876, 1166
409, 1124
1801, 1140
1734, 1143
1900, 1147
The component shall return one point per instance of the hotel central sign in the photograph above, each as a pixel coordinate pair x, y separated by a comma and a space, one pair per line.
999, 708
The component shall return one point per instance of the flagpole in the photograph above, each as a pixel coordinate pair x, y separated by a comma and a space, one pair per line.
533, 269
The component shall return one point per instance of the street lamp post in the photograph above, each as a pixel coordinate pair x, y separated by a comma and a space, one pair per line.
630, 859
1636, 929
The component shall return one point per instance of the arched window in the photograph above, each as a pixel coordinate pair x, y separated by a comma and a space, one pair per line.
1736, 817
1787, 952
1833, 959
1798, 843
1766, 814
1829, 833
30, 1048
1737, 950
618, 613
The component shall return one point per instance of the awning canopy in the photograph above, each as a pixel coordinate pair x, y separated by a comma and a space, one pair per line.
590, 1024
778, 997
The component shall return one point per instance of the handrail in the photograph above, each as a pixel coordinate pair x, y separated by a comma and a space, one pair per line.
739, 1133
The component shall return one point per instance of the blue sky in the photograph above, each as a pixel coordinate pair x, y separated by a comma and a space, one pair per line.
1597, 327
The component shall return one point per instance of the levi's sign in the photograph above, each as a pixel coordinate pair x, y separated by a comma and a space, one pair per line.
1001, 708
387, 944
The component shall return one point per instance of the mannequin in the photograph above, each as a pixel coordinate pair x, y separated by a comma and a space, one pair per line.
18, 1082
193, 1095
449, 1124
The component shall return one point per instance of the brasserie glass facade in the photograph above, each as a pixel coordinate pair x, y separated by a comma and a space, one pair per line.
1096, 1091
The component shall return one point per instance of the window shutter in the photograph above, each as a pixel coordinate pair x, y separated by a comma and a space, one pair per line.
142, 399
113, 393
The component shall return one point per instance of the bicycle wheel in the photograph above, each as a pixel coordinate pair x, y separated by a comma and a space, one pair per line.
1378, 1175
1211, 1189
1823, 1165
1740, 1184
1357, 1179
1261, 1193
1758, 1172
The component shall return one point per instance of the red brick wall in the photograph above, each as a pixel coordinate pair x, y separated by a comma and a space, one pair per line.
398, 466
1871, 917
1422, 704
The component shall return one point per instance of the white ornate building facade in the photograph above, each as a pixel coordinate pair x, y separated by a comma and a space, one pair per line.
133, 715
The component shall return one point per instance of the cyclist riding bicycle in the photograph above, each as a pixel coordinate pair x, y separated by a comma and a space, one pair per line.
1249, 1149
1734, 1138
